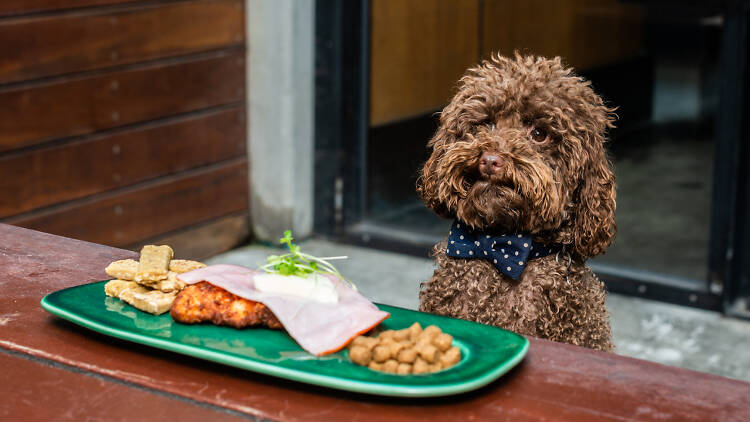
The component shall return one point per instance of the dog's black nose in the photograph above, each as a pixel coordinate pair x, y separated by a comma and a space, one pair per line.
489, 164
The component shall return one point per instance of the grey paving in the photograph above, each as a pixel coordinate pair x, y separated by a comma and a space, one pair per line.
673, 335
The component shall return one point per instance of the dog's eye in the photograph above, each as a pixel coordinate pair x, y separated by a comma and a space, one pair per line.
538, 134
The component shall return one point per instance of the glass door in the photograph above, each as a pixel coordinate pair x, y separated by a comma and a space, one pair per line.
676, 74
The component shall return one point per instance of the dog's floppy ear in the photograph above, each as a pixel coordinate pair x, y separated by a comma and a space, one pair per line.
594, 219
428, 180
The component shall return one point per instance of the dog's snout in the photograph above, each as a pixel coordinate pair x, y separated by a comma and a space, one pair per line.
489, 164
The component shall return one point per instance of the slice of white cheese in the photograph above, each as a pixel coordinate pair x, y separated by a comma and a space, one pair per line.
314, 287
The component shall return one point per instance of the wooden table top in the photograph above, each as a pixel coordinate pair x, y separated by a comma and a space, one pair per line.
53, 369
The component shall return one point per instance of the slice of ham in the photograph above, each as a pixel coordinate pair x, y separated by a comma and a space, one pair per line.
320, 328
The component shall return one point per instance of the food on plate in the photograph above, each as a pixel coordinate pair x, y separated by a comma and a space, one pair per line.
204, 302
113, 288
171, 284
408, 351
148, 300
148, 294
154, 263
315, 304
180, 266
123, 269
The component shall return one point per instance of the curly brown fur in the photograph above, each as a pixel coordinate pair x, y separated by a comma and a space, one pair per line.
546, 127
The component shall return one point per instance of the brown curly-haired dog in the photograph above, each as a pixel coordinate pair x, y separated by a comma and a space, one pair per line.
520, 149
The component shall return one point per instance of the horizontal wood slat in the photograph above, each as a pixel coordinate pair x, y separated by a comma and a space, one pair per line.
27, 395
17, 7
32, 115
215, 237
121, 219
59, 44
46, 176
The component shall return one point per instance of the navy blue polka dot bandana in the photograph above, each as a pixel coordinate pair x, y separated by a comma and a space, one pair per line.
509, 253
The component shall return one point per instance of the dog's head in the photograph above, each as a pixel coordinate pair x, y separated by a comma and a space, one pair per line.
520, 148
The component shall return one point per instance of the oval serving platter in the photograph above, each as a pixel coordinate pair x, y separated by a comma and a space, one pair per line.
487, 352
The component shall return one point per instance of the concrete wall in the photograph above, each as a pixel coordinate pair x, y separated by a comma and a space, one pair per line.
280, 108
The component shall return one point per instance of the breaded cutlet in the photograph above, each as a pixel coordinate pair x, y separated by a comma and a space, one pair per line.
204, 302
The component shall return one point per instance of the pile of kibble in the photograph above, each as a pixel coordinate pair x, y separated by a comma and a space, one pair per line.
408, 351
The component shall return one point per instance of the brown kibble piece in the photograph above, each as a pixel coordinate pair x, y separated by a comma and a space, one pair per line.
381, 353
407, 355
391, 365
403, 369
451, 357
375, 366
360, 355
395, 348
368, 342
422, 342
414, 331
436, 367
443, 341
420, 367
428, 352
358, 341
432, 330
386, 335
401, 335
429, 333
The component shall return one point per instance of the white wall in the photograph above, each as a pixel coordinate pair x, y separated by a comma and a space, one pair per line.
280, 98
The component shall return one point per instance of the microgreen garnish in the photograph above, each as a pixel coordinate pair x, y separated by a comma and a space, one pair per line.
299, 263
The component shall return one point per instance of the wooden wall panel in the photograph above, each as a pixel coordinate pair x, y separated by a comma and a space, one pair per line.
35, 114
54, 45
586, 33
17, 7
127, 217
59, 173
123, 121
418, 51
202, 241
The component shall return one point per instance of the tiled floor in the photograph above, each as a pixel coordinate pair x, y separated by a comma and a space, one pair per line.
669, 334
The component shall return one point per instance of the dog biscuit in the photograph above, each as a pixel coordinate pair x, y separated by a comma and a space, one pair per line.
113, 288
184, 265
154, 263
123, 269
171, 284
152, 301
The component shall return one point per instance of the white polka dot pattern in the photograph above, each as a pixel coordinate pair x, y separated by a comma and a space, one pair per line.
466, 244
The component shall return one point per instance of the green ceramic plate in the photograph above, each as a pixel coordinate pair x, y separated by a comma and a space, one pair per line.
487, 352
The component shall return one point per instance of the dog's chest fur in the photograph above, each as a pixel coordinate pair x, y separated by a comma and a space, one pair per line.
554, 298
